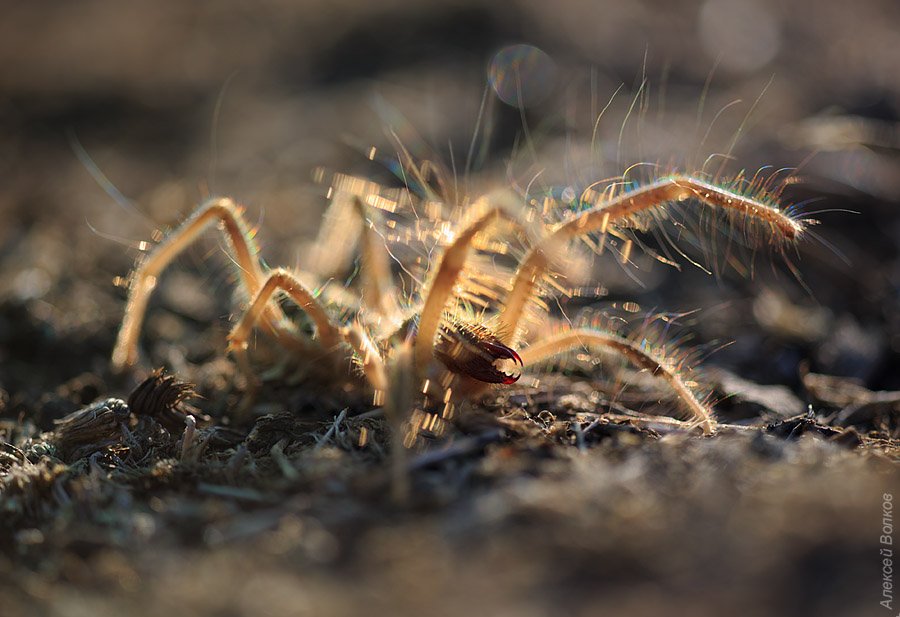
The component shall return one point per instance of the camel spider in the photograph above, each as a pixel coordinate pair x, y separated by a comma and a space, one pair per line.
431, 346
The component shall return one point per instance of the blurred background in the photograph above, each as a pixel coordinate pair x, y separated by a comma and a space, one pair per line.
116, 119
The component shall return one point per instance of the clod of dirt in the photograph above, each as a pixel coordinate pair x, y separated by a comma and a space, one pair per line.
859, 407
746, 399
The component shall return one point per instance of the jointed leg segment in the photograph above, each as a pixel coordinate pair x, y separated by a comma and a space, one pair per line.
571, 339
377, 287
244, 251
609, 212
283, 280
441, 286
328, 333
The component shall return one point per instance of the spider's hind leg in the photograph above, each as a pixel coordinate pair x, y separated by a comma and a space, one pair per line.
350, 224
243, 249
329, 334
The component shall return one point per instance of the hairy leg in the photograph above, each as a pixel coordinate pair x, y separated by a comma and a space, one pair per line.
631, 351
329, 335
349, 223
244, 252
377, 287
332, 250
756, 205
284, 281
440, 288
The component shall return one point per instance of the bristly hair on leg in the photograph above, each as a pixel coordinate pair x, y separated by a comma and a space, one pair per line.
617, 210
648, 349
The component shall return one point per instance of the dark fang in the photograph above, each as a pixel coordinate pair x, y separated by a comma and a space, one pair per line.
502, 352
472, 350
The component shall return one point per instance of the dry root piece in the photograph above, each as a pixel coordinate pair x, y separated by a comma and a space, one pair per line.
164, 398
93, 428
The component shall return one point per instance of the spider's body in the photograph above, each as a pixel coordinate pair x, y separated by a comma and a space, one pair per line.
437, 344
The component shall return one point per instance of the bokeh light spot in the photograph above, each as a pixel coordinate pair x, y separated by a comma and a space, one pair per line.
522, 75
745, 35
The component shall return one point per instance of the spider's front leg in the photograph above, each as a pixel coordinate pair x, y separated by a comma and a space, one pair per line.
655, 363
441, 287
144, 279
759, 205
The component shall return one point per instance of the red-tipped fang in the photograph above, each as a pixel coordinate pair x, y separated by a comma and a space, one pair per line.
516, 358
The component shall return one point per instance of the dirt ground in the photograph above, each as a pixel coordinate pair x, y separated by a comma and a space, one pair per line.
547, 497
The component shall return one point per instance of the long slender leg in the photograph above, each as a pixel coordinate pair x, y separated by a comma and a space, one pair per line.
333, 247
277, 280
674, 188
283, 280
378, 289
447, 274
343, 226
647, 360
349, 223
243, 249
329, 334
